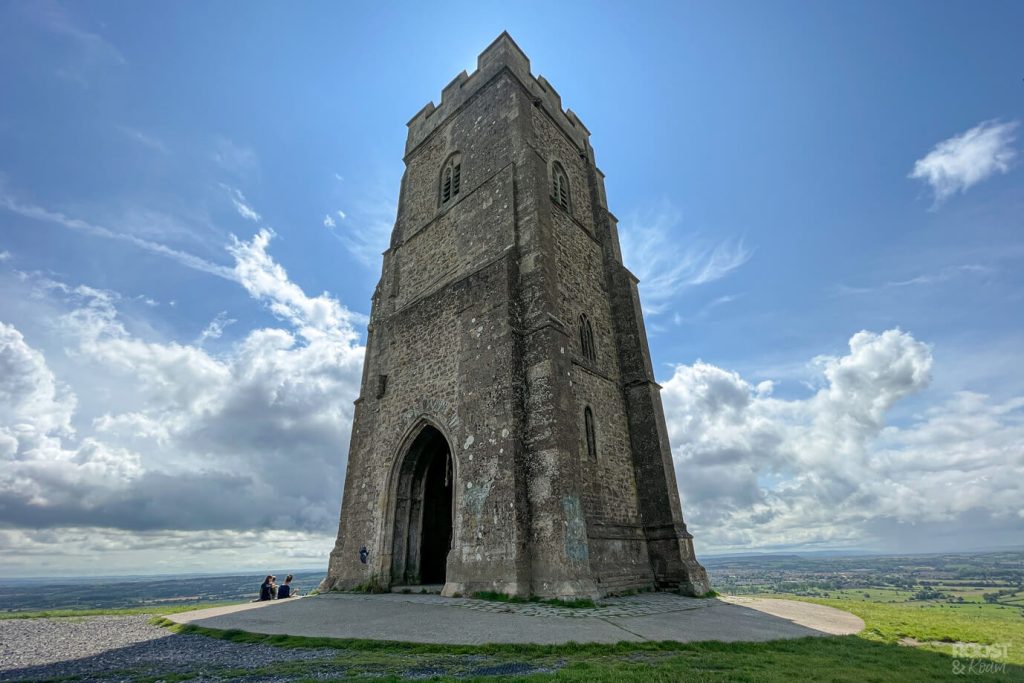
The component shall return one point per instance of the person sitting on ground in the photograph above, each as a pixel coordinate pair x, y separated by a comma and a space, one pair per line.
273, 587
285, 589
266, 590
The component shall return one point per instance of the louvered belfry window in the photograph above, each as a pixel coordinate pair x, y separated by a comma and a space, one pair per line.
451, 179
560, 187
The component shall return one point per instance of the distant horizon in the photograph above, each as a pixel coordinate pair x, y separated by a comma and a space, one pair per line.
825, 554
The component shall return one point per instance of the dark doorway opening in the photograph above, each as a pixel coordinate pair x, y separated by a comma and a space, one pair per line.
423, 512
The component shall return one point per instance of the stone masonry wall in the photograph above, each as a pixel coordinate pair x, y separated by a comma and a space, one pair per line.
475, 328
552, 144
453, 244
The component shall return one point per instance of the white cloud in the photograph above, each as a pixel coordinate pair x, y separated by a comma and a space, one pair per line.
96, 551
245, 442
55, 18
667, 262
964, 160
937, 277
760, 471
313, 317
243, 208
85, 227
215, 330
329, 221
31, 399
90, 53
365, 229
145, 139
5, 256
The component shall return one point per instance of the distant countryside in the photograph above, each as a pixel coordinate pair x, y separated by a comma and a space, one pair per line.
933, 602
990, 582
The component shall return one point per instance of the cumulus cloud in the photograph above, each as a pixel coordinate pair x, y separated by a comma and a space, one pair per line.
313, 317
756, 470
30, 397
668, 262
964, 160
252, 439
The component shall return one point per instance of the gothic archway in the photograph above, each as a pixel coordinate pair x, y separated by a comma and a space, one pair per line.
423, 511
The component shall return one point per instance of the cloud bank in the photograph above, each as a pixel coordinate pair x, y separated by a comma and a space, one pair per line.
251, 440
827, 470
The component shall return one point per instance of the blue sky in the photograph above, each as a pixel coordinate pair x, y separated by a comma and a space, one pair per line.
785, 175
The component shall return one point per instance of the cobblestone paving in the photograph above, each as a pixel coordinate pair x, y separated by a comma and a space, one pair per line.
625, 606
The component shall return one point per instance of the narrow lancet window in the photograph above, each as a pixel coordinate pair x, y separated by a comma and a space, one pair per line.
587, 339
588, 426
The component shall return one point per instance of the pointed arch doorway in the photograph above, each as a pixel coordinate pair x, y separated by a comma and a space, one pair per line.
423, 511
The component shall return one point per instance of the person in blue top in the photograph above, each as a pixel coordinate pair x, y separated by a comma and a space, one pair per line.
285, 589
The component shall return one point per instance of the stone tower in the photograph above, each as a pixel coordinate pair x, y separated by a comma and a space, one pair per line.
509, 435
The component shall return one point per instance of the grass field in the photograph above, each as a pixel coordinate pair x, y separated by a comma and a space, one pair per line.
873, 657
938, 626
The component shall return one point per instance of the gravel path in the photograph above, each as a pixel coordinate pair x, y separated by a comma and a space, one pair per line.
97, 647
126, 648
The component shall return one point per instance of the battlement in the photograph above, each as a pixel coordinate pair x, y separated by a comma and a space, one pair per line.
501, 54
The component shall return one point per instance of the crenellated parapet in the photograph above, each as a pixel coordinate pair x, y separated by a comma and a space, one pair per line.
501, 55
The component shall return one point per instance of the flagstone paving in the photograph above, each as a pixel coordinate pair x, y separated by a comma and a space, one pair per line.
434, 619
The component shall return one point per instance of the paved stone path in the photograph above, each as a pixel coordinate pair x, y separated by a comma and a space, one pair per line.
433, 619
128, 648
629, 606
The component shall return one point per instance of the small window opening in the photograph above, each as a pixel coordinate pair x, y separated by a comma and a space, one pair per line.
588, 426
587, 339
451, 179
560, 187
382, 385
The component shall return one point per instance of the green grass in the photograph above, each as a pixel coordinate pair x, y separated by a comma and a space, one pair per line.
848, 658
937, 624
123, 611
